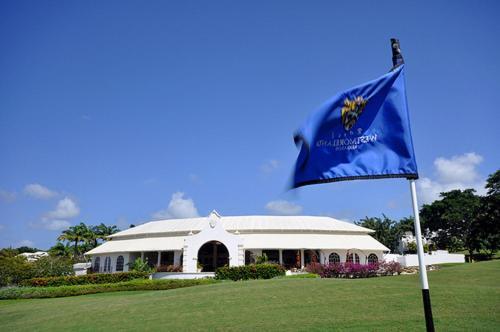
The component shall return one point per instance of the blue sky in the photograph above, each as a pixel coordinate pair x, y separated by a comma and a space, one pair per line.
123, 111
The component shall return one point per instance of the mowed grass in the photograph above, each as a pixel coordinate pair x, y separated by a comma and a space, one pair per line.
465, 298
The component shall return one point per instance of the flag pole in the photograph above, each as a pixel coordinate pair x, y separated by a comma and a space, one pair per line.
429, 322
397, 59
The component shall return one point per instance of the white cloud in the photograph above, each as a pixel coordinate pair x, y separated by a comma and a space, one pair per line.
7, 196
55, 224
26, 243
57, 219
269, 166
282, 207
178, 207
457, 172
66, 208
38, 191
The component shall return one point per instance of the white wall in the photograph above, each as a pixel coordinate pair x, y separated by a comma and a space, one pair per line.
412, 260
113, 257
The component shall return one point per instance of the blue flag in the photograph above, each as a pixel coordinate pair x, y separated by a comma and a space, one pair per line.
361, 133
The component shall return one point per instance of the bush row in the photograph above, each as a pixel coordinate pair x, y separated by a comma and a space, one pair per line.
96, 278
13, 270
62, 291
254, 271
354, 270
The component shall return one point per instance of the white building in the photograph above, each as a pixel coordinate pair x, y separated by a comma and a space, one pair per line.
34, 256
203, 244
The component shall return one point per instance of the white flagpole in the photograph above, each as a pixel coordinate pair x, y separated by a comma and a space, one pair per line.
421, 263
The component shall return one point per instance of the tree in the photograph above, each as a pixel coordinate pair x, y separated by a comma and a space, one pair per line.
384, 230
60, 250
488, 230
453, 220
75, 234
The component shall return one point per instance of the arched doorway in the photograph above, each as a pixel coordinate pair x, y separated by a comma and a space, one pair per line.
212, 255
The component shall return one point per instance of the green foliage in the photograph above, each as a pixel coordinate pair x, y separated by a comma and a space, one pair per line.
73, 290
83, 238
95, 278
11, 252
262, 259
14, 269
453, 219
52, 267
412, 248
253, 271
61, 250
141, 266
387, 231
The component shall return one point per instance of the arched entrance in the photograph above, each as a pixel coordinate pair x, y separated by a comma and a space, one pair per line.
212, 255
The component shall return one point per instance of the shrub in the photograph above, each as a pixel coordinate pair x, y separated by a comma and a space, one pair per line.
14, 269
52, 267
141, 266
96, 278
169, 268
73, 290
389, 268
354, 270
315, 268
253, 271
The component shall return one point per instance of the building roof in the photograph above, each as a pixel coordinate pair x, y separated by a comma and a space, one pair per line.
256, 232
245, 224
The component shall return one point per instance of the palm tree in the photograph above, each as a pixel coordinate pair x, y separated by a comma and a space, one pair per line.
75, 234
60, 250
104, 231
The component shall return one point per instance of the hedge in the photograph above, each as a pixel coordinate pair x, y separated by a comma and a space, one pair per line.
74, 290
96, 278
245, 272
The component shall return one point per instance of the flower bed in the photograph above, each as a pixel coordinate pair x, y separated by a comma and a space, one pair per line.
354, 270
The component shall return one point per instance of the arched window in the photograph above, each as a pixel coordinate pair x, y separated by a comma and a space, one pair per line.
119, 263
334, 258
350, 258
372, 258
97, 263
107, 264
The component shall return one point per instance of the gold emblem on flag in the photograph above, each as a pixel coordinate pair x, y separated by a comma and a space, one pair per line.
352, 110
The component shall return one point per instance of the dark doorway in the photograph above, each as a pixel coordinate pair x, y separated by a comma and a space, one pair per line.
291, 259
212, 255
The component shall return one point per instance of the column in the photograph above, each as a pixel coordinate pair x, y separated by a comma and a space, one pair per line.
301, 258
159, 259
142, 256
281, 256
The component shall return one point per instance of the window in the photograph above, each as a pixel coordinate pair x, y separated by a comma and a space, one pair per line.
107, 264
350, 260
372, 259
334, 258
119, 263
97, 263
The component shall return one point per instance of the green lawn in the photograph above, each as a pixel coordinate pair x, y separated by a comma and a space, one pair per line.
465, 298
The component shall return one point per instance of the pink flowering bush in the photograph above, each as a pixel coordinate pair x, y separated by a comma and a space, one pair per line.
354, 270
